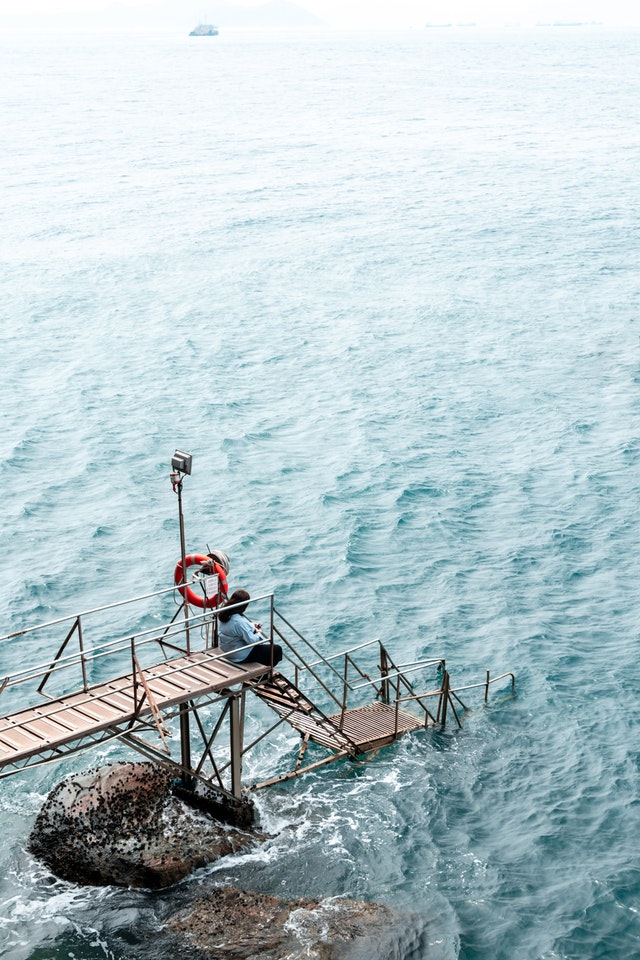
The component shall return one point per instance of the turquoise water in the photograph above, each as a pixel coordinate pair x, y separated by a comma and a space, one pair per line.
384, 288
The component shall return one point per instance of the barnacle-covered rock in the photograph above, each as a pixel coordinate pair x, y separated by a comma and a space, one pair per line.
232, 924
123, 824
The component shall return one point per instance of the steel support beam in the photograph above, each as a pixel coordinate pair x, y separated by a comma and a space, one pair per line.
236, 715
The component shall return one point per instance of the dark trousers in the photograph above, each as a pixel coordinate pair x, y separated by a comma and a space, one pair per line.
262, 654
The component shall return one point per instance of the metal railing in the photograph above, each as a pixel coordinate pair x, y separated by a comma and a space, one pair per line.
399, 685
119, 650
391, 681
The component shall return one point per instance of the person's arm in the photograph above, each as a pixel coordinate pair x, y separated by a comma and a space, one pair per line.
248, 631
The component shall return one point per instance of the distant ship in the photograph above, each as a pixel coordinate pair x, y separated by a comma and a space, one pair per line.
204, 30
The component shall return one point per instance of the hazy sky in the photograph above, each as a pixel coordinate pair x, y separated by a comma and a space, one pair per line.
398, 12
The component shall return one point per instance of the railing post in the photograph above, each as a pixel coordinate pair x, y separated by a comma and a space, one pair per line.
271, 618
345, 687
58, 655
384, 672
82, 660
444, 697
134, 674
185, 744
486, 689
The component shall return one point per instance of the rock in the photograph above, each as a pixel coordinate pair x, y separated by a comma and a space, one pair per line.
231, 924
121, 824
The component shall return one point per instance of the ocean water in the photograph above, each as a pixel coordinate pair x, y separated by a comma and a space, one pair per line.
385, 288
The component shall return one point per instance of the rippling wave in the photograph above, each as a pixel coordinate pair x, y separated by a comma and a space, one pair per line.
384, 288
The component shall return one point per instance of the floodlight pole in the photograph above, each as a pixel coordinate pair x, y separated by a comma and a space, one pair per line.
182, 465
183, 554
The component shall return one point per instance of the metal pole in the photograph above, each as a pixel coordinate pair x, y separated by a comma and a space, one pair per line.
444, 697
82, 660
236, 747
185, 736
384, 674
183, 554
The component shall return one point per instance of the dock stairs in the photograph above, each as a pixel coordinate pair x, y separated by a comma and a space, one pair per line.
355, 731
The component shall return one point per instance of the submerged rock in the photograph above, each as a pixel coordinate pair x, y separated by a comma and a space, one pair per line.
231, 924
122, 824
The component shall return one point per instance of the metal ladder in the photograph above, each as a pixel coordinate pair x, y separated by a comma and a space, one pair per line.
279, 693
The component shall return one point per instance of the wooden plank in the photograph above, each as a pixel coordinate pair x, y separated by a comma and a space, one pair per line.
192, 683
169, 680
223, 668
181, 687
205, 676
36, 737
325, 735
9, 724
19, 742
53, 733
375, 724
207, 679
95, 709
62, 715
51, 714
280, 698
163, 692
236, 672
122, 699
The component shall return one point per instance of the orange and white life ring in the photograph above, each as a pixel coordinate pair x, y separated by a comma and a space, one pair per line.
196, 599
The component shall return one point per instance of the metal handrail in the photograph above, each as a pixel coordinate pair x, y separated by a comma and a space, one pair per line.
487, 682
87, 613
97, 653
390, 676
346, 656
421, 663
343, 653
378, 684
392, 679
84, 657
152, 633
118, 645
311, 647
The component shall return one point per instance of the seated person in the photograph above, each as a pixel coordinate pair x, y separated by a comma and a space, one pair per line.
236, 632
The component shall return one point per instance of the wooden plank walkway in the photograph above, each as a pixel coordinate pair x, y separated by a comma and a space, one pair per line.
375, 725
82, 714
357, 730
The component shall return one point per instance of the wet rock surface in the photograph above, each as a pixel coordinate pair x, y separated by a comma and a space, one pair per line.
232, 924
122, 824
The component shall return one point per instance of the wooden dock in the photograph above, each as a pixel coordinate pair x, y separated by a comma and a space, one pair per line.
121, 705
348, 708
118, 706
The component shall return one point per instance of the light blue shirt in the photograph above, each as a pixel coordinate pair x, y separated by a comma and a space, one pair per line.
235, 634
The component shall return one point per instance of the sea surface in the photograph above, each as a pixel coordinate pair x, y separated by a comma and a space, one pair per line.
385, 288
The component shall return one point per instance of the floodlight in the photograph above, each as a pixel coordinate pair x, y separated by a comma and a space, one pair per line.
182, 461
